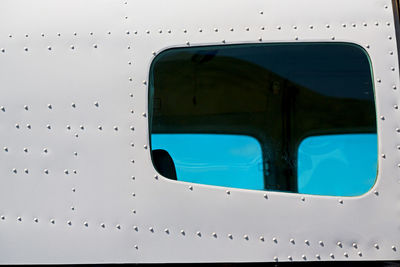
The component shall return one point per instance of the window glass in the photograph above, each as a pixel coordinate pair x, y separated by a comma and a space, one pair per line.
283, 95
338, 165
224, 160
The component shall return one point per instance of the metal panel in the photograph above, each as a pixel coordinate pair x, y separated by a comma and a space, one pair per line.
76, 180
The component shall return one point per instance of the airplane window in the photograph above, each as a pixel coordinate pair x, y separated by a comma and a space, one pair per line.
287, 99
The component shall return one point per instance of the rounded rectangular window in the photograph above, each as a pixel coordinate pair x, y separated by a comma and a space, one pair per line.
284, 116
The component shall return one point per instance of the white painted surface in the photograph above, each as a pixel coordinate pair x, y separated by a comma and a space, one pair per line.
103, 181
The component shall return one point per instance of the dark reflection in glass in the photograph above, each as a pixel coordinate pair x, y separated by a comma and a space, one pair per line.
277, 93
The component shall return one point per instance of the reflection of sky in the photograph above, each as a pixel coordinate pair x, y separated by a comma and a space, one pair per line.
338, 165
224, 160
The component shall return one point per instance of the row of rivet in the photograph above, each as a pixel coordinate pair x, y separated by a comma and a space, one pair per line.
68, 127
49, 106
46, 171
45, 150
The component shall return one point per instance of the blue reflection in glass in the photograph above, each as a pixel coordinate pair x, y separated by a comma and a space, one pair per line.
337, 165
214, 159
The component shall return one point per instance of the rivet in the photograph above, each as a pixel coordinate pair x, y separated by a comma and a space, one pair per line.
25, 150
231, 29
46, 171
151, 229
307, 242
278, 27
391, 53
136, 32
28, 126
26, 171
118, 227
156, 177
129, 63
382, 118
292, 241
3, 217
223, 41
261, 12
265, 196
290, 258
2, 108
134, 211
311, 27
132, 128
52, 221
102, 225
304, 257
275, 240
99, 127
385, 6
130, 79
26, 107
376, 246
344, 25
187, 43
26, 49
198, 234
145, 146
332, 256
246, 237
276, 258
73, 105
327, 26
396, 107
72, 47
262, 28
378, 80
135, 228
96, 104
147, 31
247, 29
367, 46
333, 38
45, 150
376, 193
154, 53
228, 192
183, 232
133, 195
166, 231
14, 170
132, 144
49, 47
108, 32
359, 254
318, 256
200, 30
131, 95
354, 245
5, 149
36, 220
159, 31
132, 111
341, 201
73, 190
127, 32
303, 199
262, 239
321, 243
398, 130
3, 50
346, 254
184, 31
72, 208
365, 24
376, 23
214, 235
69, 223
296, 38
392, 69
230, 236
339, 244
115, 128
295, 27
144, 82
394, 248
354, 25
19, 219
216, 30
74, 171
86, 224
191, 188
75, 153
81, 127
394, 87
390, 37
66, 171
95, 46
